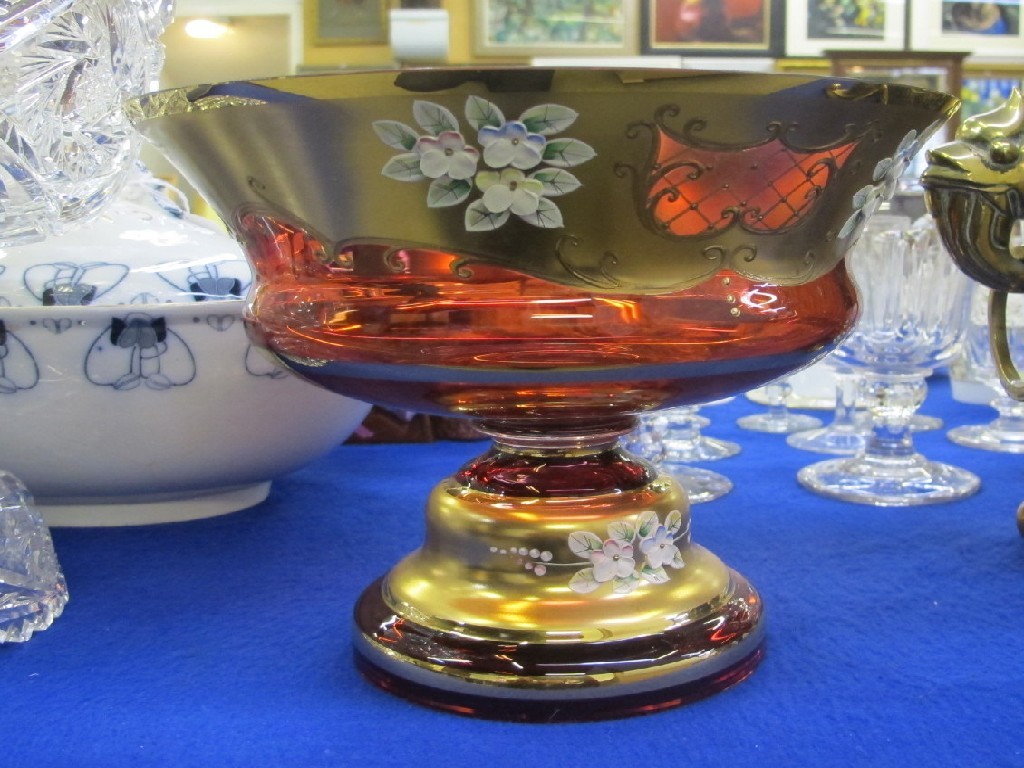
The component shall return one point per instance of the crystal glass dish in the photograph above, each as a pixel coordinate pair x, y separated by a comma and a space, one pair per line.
66, 68
549, 253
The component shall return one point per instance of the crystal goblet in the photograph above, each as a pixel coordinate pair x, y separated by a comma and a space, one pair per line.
912, 321
778, 419
550, 253
672, 440
844, 435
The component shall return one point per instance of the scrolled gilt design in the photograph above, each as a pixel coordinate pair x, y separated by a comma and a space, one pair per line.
625, 182
694, 186
601, 277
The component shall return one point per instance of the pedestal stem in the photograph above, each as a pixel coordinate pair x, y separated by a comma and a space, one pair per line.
558, 583
892, 400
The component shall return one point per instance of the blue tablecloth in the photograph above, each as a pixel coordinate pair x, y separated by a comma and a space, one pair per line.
896, 636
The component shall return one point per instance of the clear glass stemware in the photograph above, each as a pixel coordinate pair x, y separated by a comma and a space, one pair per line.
845, 435
912, 321
672, 440
778, 419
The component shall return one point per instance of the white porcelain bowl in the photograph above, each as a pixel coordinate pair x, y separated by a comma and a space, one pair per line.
129, 392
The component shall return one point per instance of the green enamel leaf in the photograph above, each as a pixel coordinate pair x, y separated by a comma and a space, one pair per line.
653, 575
479, 219
480, 113
582, 543
548, 119
646, 523
434, 118
556, 181
621, 532
405, 167
445, 192
566, 153
547, 215
584, 581
395, 134
626, 584
674, 521
677, 560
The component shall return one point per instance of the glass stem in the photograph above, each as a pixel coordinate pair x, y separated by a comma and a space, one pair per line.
685, 431
1011, 415
847, 385
892, 400
776, 395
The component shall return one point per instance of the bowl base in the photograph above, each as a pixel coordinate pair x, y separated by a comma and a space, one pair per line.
573, 692
558, 583
149, 509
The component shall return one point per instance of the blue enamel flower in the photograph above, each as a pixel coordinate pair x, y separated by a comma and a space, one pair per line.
511, 144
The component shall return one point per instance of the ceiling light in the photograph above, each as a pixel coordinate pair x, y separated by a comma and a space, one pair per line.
206, 29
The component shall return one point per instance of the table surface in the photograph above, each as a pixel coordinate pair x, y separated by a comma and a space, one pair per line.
895, 635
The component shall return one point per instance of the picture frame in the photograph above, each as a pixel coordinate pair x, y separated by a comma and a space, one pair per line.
986, 30
531, 28
712, 27
345, 22
814, 26
986, 90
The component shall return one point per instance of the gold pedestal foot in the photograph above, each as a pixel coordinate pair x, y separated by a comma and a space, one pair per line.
559, 607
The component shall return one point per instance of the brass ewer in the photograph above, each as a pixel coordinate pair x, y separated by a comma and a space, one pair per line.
974, 187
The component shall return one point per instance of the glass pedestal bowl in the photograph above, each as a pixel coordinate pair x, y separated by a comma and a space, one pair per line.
549, 253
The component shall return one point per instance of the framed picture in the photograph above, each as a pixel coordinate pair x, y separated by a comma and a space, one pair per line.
814, 26
555, 27
712, 27
984, 29
983, 92
345, 22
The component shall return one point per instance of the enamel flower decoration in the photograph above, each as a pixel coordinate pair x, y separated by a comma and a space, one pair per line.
633, 553
515, 171
886, 177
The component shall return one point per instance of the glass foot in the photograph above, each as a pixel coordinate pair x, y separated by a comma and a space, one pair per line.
558, 681
701, 485
838, 441
703, 449
920, 422
988, 437
885, 482
780, 424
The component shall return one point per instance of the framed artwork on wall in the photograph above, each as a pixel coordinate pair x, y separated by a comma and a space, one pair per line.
987, 30
528, 28
814, 26
712, 27
984, 91
345, 22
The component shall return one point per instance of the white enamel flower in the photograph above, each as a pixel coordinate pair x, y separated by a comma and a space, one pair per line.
660, 549
524, 168
446, 154
889, 169
613, 560
511, 144
886, 176
509, 190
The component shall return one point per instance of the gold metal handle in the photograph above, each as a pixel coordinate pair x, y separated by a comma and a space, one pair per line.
1000, 341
